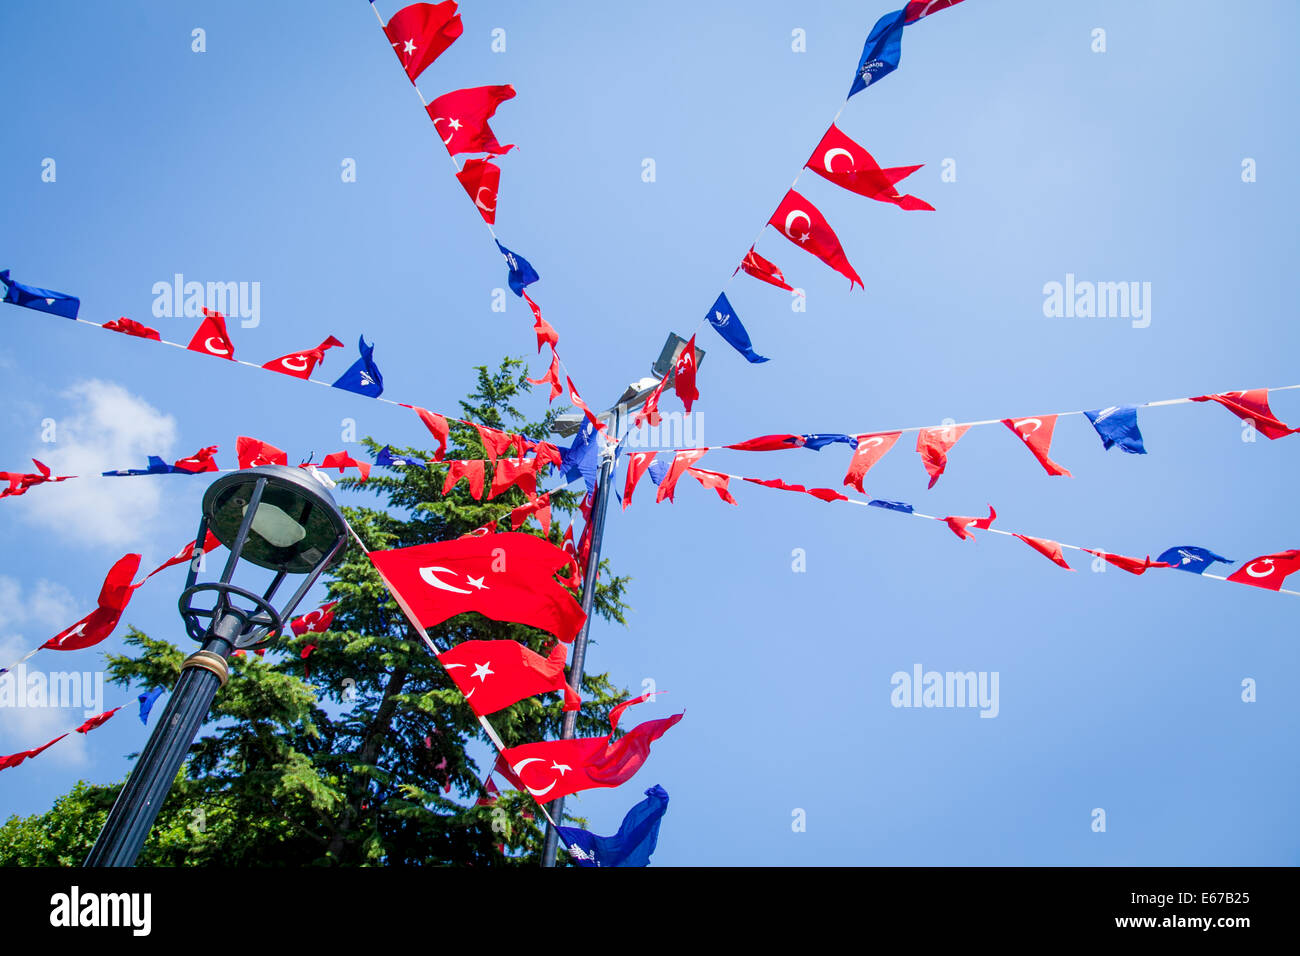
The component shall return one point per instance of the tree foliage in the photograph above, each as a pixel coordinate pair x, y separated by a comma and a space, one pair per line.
364, 753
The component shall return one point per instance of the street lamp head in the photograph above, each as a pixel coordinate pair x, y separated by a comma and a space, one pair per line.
295, 523
274, 517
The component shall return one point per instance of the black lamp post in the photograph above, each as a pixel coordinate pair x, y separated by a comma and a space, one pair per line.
274, 517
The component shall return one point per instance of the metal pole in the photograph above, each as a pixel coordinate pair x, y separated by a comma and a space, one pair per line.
137, 806
599, 507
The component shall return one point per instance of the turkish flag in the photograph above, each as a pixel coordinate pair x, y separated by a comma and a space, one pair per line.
540, 506
132, 327
342, 460
576, 399
1131, 565
471, 470
508, 472
824, 494
557, 768
253, 452
959, 525
495, 674
461, 119
437, 426
421, 32
1252, 405
637, 465
314, 622
212, 338
199, 462
481, 179
871, 448
769, 443
681, 461
1036, 433
496, 442
545, 334
552, 376
114, 596
301, 364
185, 555
843, 162
14, 760
715, 480
934, 445
758, 267
19, 481
506, 577
917, 9
1268, 570
801, 222
684, 377
544, 453
95, 721
1047, 548
649, 413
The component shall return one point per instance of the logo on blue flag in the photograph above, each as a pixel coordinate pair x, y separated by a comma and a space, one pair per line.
881, 54
1118, 426
386, 458
632, 845
363, 375
1191, 558
579, 460
723, 318
42, 300
522, 272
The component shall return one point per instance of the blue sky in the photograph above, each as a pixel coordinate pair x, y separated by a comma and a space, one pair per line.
1116, 692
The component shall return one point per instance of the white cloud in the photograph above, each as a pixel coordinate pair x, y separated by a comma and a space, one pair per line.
107, 428
29, 619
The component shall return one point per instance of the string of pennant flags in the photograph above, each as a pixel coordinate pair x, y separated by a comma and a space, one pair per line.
433, 582
1267, 571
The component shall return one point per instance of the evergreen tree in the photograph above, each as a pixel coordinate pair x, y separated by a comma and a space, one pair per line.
364, 752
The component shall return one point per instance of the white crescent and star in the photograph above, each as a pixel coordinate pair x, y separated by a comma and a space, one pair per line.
430, 578
289, 364
1250, 568
828, 159
214, 349
518, 768
1037, 423
478, 200
789, 221
453, 123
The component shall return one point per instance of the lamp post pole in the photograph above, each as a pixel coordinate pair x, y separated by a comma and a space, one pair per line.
137, 806
599, 507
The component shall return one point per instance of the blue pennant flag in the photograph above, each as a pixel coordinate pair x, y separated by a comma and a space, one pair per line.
386, 458
579, 460
1191, 558
363, 376
632, 845
658, 468
723, 318
818, 442
156, 467
902, 506
1118, 426
522, 272
146, 703
42, 300
881, 54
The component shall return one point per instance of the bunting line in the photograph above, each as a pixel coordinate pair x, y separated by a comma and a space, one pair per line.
906, 509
